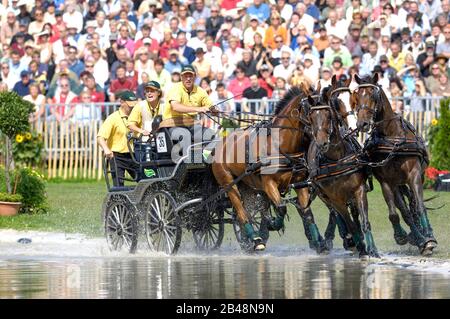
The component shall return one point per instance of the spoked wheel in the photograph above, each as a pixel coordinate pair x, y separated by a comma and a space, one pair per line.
162, 223
260, 225
208, 229
121, 226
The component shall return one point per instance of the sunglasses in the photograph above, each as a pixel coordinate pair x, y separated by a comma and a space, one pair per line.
90, 66
281, 41
285, 58
335, 42
64, 85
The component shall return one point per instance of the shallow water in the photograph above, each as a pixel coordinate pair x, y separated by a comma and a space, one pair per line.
55, 265
227, 276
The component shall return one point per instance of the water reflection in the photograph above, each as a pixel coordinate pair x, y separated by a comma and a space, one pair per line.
215, 277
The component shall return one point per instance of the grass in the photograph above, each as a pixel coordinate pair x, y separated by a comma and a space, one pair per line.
76, 208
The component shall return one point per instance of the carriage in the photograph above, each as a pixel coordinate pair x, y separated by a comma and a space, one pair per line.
169, 196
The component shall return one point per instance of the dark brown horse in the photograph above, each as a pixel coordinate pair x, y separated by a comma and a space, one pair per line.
400, 158
285, 140
335, 171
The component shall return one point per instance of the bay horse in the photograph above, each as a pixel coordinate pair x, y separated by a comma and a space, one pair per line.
400, 158
334, 169
290, 147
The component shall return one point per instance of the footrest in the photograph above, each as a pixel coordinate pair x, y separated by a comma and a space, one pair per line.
121, 188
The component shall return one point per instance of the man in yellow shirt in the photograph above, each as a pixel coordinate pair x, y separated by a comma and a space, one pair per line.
185, 100
142, 115
112, 137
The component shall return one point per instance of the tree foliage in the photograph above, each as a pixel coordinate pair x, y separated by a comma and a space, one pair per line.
440, 141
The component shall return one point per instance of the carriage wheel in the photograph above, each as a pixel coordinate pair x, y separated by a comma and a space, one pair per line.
209, 228
162, 223
260, 225
121, 227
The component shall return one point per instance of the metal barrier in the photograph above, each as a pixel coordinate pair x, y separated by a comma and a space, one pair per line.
72, 149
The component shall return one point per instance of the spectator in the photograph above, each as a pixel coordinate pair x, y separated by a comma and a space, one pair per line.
285, 10
425, 59
16, 66
205, 84
310, 69
220, 95
61, 100
174, 62
267, 80
417, 103
443, 89
432, 81
247, 63
337, 67
121, 83
202, 66
444, 48
305, 19
213, 54
416, 47
326, 77
370, 59
275, 31
85, 111
199, 41
259, 9
396, 91
281, 88
37, 25
200, 10
321, 41
131, 73
234, 52
396, 57
5, 76
140, 91
125, 40
143, 63
186, 53
280, 47
352, 41
337, 49
38, 100
22, 87
160, 75
239, 83
250, 32
9, 28
388, 71
75, 65
334, 25
214, 22
73, 17
93, 89
286, 68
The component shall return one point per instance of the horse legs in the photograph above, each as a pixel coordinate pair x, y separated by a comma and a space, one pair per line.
361, 206
311, 230
336, 219
271, 189
400, 235
429, 243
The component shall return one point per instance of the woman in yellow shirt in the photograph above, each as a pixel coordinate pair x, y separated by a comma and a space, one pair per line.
274, 30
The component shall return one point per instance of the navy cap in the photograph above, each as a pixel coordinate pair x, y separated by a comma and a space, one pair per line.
153, 84
188, 69
24, 73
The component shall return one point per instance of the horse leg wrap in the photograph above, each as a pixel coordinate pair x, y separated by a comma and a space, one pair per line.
370, 244
400, 235
249, 231
277, 223
341, 226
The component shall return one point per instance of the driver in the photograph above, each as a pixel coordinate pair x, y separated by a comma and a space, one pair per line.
142, 115
112, 137
185, 100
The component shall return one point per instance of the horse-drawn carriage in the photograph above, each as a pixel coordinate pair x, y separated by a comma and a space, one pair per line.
169, 196
314, 153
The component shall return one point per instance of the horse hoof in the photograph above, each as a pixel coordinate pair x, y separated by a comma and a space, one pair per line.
260, 247
427, 250
401, 240
328, 244
363, 256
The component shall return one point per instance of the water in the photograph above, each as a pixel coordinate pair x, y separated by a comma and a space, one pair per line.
56, 265
222, 276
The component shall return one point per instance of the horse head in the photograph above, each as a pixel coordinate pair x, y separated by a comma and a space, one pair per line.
338, 96
365, 101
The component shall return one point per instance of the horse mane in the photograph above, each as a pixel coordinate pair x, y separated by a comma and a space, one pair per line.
287, 98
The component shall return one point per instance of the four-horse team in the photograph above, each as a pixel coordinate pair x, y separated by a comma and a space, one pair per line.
306, 148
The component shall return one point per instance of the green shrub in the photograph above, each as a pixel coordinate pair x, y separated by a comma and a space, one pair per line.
5, 197
31, 186
440, 139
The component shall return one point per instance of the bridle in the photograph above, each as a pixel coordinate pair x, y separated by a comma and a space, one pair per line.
376, 98
330, 130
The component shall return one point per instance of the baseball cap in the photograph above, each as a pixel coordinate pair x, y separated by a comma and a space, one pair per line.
384, 58
173, 51
429, 44
58, 13
153, 84
113, 37
265, 67
176, 71
308, 56
326, 69
147, 41
229, 19
91, 24
127, 95
24, 73
337, 59
188, 69
92, 2
355, 26
253, 17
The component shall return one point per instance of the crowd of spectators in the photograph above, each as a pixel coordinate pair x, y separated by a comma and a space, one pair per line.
79, 52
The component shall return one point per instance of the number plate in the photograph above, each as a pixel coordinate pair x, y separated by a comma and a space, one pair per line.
161, 143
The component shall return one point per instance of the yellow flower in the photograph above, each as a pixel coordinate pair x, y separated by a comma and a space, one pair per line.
28, 136
19, 138
434, 122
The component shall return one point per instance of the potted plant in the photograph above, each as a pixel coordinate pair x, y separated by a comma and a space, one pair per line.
14, 115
